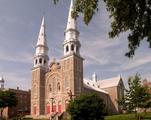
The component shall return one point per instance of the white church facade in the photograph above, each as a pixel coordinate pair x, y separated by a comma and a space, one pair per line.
54, 84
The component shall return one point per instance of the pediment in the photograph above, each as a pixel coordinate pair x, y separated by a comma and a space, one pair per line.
54, 66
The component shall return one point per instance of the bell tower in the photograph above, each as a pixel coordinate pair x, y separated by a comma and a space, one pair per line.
40, 66
72, 62
71, 43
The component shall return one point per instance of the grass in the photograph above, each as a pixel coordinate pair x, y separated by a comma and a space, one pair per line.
122, 117
128, 117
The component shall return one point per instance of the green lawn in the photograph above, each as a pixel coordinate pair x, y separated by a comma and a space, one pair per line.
123, 117
128, 117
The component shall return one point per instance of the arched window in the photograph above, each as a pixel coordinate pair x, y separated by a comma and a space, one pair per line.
36, 61
44, 61
40, 60
50, 88
67, 48
58, 86
72, 47
54, 85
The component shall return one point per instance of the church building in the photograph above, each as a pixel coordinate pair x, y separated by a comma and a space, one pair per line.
55, 83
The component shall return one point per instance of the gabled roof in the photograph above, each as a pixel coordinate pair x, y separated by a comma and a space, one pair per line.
111, 82
93, 86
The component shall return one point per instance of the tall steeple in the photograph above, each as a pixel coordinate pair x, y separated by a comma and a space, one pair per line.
72, 23
72, 62
41, 56
71, 43
41, 37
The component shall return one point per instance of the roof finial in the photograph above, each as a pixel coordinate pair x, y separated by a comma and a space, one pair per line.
54, 60
120, 76
94, 77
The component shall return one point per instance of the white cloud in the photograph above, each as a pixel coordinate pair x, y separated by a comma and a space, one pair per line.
22, 57
137, 62
14, 80
96, 50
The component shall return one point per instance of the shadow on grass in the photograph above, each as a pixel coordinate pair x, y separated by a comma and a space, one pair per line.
147, 118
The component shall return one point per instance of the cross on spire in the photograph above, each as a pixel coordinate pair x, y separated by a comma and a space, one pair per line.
70, 94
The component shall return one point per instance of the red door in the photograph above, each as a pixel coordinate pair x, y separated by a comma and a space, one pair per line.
48, 109
34, 110
59, 108
54, 108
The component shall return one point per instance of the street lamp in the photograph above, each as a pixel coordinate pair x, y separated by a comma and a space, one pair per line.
53, 115
52, 103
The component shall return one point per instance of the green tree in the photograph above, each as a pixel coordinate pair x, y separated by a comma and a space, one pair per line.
132, 16
146, 100
87, 107
136, 96
7, 99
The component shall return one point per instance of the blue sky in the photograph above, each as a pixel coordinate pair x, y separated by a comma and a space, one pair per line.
19, 27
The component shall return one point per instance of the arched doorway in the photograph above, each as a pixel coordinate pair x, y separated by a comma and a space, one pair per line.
54, 107
66, 104
34, 110
48, 108
59, 107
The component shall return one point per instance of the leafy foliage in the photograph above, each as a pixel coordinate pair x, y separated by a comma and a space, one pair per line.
87, 107
136, 96
87, 7
55, 1
133, 16
7, 99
